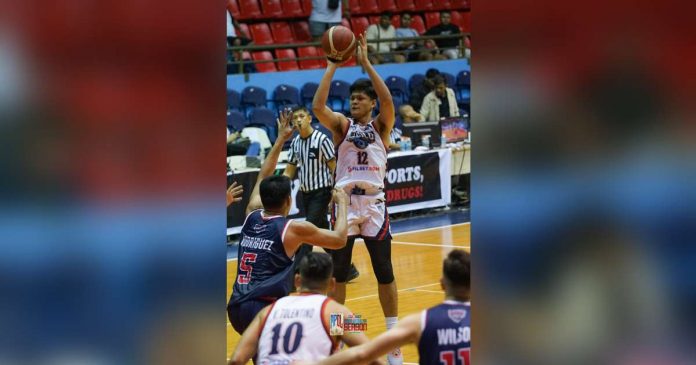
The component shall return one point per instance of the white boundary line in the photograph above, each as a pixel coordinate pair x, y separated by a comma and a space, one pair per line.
400, 290
413, 243
430, 291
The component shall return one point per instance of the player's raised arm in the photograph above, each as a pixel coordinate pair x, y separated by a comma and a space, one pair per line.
327, 117
246, 348
269, 166
299, 232
405, 332
385, 119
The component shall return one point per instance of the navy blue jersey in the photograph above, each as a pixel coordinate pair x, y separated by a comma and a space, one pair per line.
446, 334
263, 267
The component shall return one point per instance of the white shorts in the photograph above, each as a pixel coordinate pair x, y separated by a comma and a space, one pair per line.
368, 217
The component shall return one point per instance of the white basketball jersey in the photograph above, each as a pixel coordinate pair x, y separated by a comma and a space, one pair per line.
361, 159
294, 330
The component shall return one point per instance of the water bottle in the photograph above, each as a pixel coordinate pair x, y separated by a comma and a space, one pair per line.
426, 142
443, 141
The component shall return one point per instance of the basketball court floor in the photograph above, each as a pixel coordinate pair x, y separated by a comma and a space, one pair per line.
418, 247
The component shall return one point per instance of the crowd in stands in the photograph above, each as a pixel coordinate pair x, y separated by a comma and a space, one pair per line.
299, 22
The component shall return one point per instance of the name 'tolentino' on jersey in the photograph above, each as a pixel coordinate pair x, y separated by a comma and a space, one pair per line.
263, 267
361, 159
446, 334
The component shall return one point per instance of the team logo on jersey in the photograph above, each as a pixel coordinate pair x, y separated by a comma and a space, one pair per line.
456, 315
361, 138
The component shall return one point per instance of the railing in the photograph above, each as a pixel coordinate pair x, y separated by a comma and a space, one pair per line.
254, 48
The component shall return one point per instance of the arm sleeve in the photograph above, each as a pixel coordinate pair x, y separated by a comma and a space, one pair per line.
292, 157
327, 148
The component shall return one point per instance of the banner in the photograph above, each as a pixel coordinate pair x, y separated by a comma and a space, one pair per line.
415, 180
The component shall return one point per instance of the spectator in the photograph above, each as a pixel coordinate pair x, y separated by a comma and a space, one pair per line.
415, 49
380, 51
409, 115
325, 14
236, 38
395, 138
418, 93
439, 103
236, 144
448, 47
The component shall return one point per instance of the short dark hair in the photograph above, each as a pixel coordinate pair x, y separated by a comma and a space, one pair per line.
406, 13
431, 72
385, 13
299, 108
316, 268
438, 79
364, 86
274, 190
445, 12
457, 269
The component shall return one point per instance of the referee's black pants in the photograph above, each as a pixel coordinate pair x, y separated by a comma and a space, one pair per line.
316, 205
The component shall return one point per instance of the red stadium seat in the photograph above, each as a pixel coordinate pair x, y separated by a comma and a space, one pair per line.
457, 19
301, 31
442, 5
432, 19
396, 20
271, 9
261, 33
249, 9
424, 5
406, 5
292, 9
306, 7
346, 23
354, 6
308, 52
359, 24
417, 24
386, 5
281, 32
320, 52
266, 66
373, 19
465, 21
233, 8
460, 4
287, 65
369, 6
244, 28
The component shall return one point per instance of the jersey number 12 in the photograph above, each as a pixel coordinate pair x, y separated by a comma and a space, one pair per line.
362, 158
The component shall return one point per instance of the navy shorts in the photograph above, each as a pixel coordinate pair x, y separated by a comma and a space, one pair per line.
241, 315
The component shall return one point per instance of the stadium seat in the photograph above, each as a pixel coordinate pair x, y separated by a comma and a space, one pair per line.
346, 23
249, 9
442, 5
307, 93
396, 20
457, 19
285, 95
264, 117
233, 100
465, 21
233, 8
373, 19
287, 65
398, 87
244, 29
339, 95
281, 32
271, 9
354, 6
320, 52
261, 33
292, 9
301, 31
432, 19
460, 4
387, 5
415, 81
359, 24
306, 7
424, 5
369, 6
235, 120
308, 52
464, 86
321, 128
450, 81
253, 96
264, 66
406, 5
417, 24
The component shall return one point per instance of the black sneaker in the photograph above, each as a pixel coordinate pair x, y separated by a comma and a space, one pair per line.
353, 274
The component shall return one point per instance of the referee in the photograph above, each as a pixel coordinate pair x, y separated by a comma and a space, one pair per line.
312, 157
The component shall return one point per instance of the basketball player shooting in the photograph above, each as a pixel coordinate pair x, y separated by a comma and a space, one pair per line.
360, 171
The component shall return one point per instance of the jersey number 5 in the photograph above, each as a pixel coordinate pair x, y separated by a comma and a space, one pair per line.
447, 357
362, 158
245, 269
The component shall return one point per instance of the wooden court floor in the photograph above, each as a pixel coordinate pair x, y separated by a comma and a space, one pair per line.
417, 259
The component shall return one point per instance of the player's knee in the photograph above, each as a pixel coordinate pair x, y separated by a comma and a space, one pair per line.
384, 273
341, 272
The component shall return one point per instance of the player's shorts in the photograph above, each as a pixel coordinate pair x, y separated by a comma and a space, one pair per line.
241, 315
368, 217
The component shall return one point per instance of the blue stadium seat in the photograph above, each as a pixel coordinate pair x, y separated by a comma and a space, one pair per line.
399, 89
415, 81
253, 96
307, 93
321, 128
235, 120
464, 86
339, 95
286, 95
233, 100
450, 81
265, 118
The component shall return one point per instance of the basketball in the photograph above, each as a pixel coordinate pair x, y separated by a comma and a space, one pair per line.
339, 43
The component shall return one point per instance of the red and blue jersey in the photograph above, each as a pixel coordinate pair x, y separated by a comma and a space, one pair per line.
445, 334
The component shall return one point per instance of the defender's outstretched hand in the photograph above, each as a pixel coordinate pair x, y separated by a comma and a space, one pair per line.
234, 193
361, 55
285, 128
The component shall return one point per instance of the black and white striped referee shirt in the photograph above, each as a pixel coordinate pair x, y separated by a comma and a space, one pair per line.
310, 156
